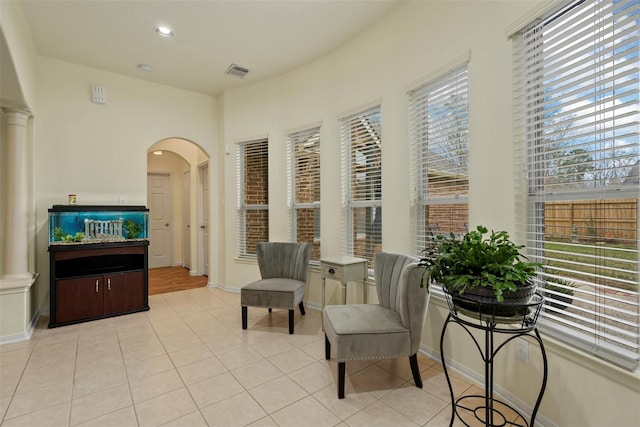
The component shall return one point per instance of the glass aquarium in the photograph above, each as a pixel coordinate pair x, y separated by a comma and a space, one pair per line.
83, 224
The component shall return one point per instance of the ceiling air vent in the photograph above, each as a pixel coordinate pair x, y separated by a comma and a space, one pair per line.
236, 70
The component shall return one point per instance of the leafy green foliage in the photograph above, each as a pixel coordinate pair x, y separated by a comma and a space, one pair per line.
560, 284
59, 234
476, 261
132, 229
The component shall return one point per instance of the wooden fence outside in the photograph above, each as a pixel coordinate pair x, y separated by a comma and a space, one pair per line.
613, 220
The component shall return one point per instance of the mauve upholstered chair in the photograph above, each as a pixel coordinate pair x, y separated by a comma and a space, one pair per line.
283, 268
391, 328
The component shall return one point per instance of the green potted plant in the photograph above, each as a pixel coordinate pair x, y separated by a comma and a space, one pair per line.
484, 270
563, 287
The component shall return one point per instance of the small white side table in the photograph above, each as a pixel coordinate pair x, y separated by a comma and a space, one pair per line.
345, 269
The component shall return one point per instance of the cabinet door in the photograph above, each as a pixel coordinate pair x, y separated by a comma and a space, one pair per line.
78, 299
123, 292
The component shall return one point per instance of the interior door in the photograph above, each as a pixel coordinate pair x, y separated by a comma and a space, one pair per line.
204, 173
186, 220
159, 199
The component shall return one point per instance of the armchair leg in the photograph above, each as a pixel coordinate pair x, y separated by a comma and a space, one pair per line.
301, 305
341, 369
413, 361
291, 322
244, 317
327, 348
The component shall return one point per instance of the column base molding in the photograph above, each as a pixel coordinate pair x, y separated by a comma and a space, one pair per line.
17, 322
12, 283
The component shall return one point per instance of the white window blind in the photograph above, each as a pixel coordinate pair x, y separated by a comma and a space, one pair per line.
253, 195
438, 138
304, 188
577, 126
361, 140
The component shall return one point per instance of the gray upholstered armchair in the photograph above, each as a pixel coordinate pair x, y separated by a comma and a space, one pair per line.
392, 328
283, 268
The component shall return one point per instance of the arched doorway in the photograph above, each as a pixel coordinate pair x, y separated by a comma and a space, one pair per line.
177, 197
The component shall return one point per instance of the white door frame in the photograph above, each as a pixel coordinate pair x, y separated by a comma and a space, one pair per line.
186, 219
204, 223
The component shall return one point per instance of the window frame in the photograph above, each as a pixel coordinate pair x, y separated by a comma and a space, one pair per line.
549, 176
352, 200
425, 135
295, 140
260, 146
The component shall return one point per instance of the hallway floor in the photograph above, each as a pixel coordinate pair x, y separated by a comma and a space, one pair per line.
187, 362
172, 279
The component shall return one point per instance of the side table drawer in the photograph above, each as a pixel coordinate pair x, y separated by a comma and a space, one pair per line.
331, 271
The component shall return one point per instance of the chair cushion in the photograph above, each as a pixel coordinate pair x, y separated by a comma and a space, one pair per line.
362, 331
274, 293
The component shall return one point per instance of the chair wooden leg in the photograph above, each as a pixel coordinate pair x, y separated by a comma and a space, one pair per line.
327, 348
244, 317
413, 361
291, 312
301, 305
341, 369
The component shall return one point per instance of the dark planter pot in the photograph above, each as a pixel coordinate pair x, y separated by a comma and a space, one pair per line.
483, 300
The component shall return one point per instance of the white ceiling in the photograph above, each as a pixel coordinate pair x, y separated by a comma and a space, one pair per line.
269, 37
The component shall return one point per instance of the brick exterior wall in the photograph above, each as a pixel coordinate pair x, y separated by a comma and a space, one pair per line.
256, 192
307, 191
447, 218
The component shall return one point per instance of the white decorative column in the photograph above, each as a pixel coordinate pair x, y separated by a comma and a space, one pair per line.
16, 244
16, 314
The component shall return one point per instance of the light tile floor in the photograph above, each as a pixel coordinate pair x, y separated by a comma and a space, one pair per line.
187, 362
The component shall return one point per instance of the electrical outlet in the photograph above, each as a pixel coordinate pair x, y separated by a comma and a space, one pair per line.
522, 350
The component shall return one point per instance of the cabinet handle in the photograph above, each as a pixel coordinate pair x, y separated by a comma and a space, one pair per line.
96, 285
332, 271
108, 284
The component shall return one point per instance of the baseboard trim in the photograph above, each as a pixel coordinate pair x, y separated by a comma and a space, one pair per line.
22, 336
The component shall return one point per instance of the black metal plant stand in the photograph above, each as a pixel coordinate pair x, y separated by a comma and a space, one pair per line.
515, 320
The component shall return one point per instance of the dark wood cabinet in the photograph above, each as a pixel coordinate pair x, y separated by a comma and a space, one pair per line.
99, 280
122, 292
77, 299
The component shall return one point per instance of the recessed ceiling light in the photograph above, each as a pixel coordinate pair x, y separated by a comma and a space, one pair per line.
164, 31
158, 153
144, 67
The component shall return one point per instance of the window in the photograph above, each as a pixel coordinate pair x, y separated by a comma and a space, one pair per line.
253, 196
304, 187
438, 135
578, 123
360, 135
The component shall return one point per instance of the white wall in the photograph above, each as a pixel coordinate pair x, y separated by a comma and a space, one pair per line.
23, 52
18, 309
99, 152
381, 65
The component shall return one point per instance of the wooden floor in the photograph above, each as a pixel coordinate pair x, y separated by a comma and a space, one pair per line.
172, 279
